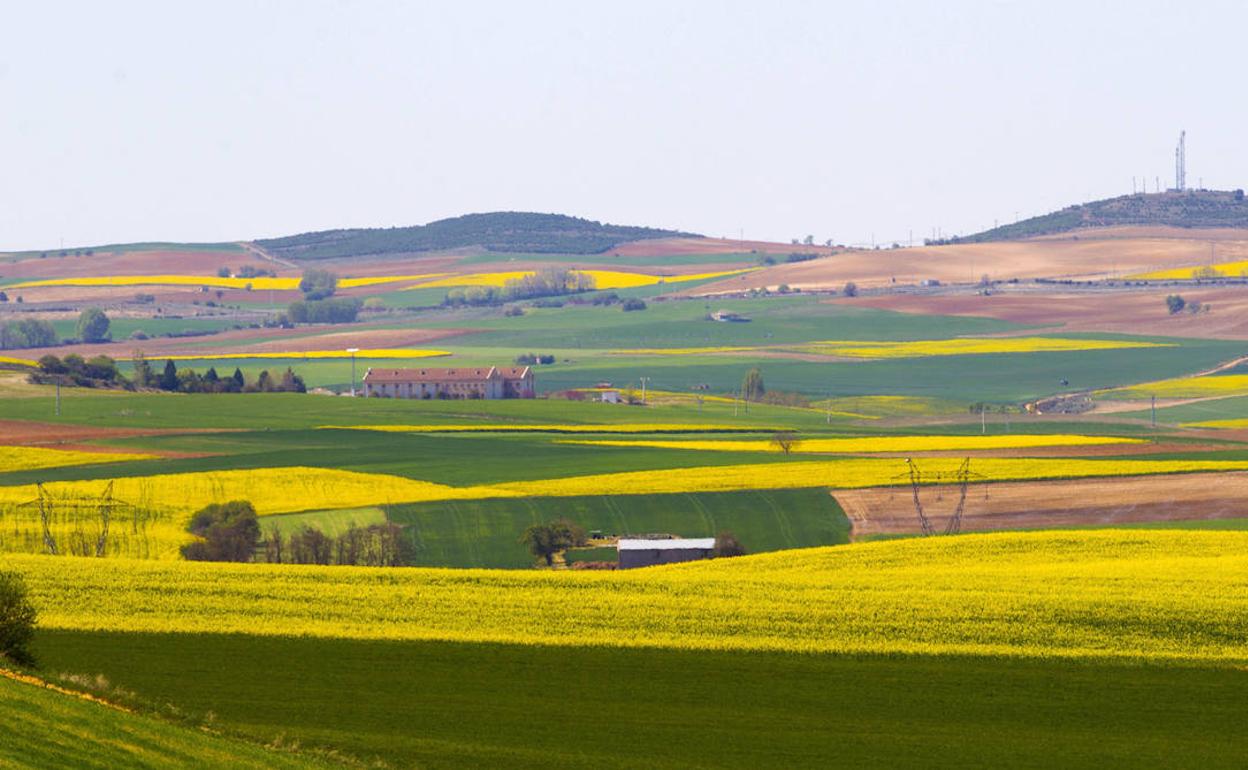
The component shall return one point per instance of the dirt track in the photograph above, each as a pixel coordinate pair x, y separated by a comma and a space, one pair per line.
1041, 504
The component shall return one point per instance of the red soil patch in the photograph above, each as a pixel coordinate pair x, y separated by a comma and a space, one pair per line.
1128, 312
23, 433
1045, 504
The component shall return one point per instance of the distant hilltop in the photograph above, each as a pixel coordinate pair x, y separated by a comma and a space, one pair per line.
1189, 208
502, 231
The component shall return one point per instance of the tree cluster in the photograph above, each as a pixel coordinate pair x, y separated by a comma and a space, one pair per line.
188, 380
97, 371
17, 620
227, 531
27, 333
633, 303
377, 545
531, 359
246, 271
324, 311
547, 282
92, 326
546, 540
318, 284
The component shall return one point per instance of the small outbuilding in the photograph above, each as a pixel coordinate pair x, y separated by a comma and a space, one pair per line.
648, 553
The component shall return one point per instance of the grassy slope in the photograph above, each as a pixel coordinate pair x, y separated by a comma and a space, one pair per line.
446, 705
484, 533
44, 729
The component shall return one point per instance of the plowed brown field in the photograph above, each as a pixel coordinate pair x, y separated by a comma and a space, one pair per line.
1090, 255
1128, 312
1037, 505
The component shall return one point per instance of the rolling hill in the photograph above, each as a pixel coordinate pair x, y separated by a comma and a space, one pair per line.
1187, 209
503, 231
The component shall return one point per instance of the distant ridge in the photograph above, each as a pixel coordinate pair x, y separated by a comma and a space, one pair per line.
1190, 208
506, 231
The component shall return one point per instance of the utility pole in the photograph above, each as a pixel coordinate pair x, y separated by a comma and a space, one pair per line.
58, 395
1154, 410
983, 419
829, 409
644, 380
353, 351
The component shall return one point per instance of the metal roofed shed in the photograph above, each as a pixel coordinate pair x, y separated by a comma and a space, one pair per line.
648, 553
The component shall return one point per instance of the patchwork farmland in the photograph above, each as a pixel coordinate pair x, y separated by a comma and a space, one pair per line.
444, 550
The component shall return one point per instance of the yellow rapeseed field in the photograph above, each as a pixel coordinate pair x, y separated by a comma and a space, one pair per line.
603, 279
969, 346
556, 428
309, 354
29, 458
1232, 424
871, 444
271, 490
844, 474
1160, 596
1183, 387
1227, 269
962, 346
17, 361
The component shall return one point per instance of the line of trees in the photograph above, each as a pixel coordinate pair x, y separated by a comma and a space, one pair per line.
547, 282
27, 333
324, 311
73, 369
172, 379
377, 545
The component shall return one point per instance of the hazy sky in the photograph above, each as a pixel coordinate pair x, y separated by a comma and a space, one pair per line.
230, 120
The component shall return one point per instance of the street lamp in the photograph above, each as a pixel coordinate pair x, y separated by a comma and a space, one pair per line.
353, 351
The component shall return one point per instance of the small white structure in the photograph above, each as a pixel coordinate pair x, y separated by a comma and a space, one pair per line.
610, 396
647, 553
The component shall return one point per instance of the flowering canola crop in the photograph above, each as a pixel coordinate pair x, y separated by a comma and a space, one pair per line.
17, 361
849, 473
867, 445
603, 279
962, 346
1231, 269
1136, 595
28, 458
1184, 387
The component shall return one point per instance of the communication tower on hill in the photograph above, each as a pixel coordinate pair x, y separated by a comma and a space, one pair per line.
1180, 163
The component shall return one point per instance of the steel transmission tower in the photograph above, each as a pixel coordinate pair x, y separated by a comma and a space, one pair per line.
1180, 163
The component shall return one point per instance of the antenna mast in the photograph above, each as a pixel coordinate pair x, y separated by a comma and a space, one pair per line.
1180, 163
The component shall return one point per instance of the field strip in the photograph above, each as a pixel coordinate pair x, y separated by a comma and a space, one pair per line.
556, 428
872, 349
304, 354
849, 473
1211, 386
29, 458
873, 444
603, 279
1147, 596
259, 283
1047, 504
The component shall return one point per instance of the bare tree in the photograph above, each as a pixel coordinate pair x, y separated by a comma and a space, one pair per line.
785, 440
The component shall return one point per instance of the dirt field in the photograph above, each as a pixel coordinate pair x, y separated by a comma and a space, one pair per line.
1091, 255
23, 433
296, 340
1128, 312
675, 246
131, 263
1028, 505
